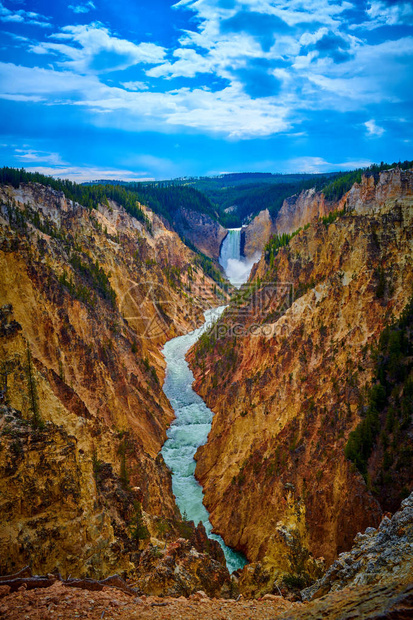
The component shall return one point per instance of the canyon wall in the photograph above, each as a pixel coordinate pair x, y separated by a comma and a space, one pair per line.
88, 297
286, 372
301, 209
376, 191
256, 234
296, 212
205, 233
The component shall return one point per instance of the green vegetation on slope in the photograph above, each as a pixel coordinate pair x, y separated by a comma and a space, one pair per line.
239, 197
387, 423
275, 243
165, 200
334, 190
87, 195
230, 198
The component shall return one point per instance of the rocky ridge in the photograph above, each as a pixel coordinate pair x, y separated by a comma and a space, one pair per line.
310, 205
302, 209
256, 235
377, 556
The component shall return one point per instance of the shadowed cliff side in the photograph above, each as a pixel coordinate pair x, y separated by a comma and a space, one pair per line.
288, 385
205, 233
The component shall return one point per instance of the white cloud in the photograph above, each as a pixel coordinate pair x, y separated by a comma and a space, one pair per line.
99, 50
224, 55
308, 78
23, 17
314, 165
228, 112
135, 85
308, 164
17, 37
375, 74
18, 81
33, 156
82, 8
299, 69
189, 64
81, 174
373, 129
382, 13
16, 97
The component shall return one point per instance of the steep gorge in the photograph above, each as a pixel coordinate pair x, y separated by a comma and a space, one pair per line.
286, 371
88, 297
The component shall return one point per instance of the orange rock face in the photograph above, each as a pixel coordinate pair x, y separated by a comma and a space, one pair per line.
301, 209
201, 230
93, 295
287, 383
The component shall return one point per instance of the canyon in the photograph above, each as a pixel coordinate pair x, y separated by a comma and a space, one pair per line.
90, 296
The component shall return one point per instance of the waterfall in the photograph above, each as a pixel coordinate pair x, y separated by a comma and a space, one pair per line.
231, 247
237, 268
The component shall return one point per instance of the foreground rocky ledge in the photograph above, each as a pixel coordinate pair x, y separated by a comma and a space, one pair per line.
372, 581
394, 600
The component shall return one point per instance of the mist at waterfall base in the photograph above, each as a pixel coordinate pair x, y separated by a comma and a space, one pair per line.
188, 431
237, 268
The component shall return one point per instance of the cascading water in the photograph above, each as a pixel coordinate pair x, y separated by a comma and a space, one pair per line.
188, 431
237, 268
231, 247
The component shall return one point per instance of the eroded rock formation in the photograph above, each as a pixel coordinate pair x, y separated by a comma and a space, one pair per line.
300, 210
378, 556
88, 297
256, 234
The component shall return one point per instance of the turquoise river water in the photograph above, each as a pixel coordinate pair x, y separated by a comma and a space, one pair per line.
188, 431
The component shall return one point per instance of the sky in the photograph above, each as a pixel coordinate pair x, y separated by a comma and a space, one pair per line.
158, 89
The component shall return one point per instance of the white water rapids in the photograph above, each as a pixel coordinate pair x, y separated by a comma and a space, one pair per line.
188, 431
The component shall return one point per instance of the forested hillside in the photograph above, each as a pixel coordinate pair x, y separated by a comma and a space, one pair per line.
234, 199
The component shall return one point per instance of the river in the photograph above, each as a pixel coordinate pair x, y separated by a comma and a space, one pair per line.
188, 431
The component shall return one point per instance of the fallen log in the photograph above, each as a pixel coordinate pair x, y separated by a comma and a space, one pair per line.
29, 582
117, 582
25, 578
24, 572
92, 584
85, 584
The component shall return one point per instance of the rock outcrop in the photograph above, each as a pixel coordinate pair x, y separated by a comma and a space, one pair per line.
378, 556
302, 209
205, 233
375, 191
88, 298
286, 371
256, 235
179, 569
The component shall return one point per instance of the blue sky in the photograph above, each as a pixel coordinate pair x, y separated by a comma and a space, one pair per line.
159, 89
